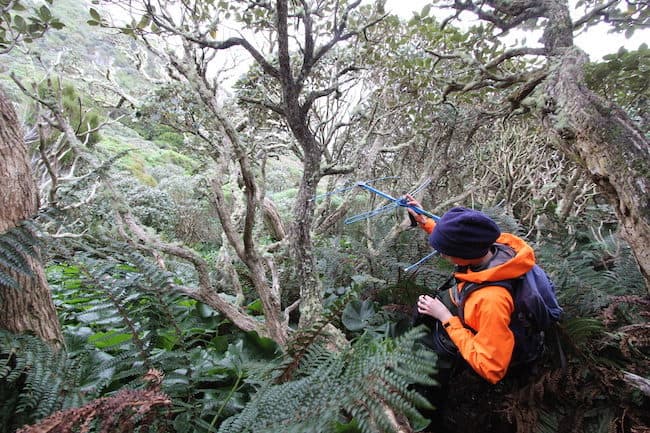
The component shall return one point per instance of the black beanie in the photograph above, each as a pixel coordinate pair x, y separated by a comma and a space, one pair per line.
464, 233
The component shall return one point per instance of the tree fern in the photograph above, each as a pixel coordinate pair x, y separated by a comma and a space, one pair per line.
358, 382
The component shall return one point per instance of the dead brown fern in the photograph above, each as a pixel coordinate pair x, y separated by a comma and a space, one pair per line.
634, 338
120, 413
521, 406
616, 302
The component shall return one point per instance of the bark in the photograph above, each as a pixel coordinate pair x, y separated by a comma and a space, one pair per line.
615, 153
273, 220
206, 292
300, 236
599, 135
274, 326
30, 308
243, 243
639, 382
596, 134
296, 114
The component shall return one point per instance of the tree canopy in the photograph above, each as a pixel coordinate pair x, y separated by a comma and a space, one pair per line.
194, 222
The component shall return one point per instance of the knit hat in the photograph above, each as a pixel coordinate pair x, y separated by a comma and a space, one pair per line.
464, 233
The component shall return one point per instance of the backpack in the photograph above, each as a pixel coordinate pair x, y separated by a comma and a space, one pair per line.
536, 309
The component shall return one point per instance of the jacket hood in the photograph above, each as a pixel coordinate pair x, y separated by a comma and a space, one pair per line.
522, 262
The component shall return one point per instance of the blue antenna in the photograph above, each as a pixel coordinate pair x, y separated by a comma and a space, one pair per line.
422, 260
394, 203
352, 186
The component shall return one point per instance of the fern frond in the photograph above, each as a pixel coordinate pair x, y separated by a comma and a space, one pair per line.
16, 262
8, 281
157, 277
580, 329
119, 413
16, 245
25, 237
547, 422
31, 378
303, 340
360, 381
21, 241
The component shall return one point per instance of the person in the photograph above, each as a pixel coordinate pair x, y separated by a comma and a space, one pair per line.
481, 253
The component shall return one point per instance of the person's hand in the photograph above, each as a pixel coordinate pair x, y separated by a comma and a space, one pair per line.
433, 307
411, 201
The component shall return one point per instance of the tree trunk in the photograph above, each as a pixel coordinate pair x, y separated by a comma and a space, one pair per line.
612, 150
300, 238
29, 308
598, 135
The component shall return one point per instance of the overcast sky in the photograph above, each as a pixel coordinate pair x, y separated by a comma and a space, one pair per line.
597, 42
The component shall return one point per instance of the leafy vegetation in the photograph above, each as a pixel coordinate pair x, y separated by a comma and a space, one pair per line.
366, 377
164, 276
15, 246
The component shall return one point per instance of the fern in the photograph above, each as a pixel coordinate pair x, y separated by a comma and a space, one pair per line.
136, 321
36, 381
302, 342
547, 422
357, 382
589, 276
126, 411
580, 330
16, 246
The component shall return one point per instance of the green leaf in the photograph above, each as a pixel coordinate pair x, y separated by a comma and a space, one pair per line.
357, 314
109, 339
205, 311
144, 21
256, 347
44, 13
20, 24
95, 15
72, 283
255, 307
219, 343
167, 340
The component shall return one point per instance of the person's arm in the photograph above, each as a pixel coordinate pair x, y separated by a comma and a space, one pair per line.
489, 350
425, 223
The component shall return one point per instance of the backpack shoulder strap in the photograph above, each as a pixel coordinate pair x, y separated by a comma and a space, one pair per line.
469, 288
503, 253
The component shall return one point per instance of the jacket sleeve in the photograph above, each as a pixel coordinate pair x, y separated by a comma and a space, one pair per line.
489, 350
428, 225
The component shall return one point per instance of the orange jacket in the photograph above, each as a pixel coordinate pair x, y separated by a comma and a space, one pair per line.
488, 311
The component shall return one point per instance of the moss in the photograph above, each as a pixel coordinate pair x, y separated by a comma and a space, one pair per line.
113, 146
163, 157
137, 167
133, 162
642, 167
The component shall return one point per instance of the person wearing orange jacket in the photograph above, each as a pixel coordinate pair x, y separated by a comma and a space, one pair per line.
474, 243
